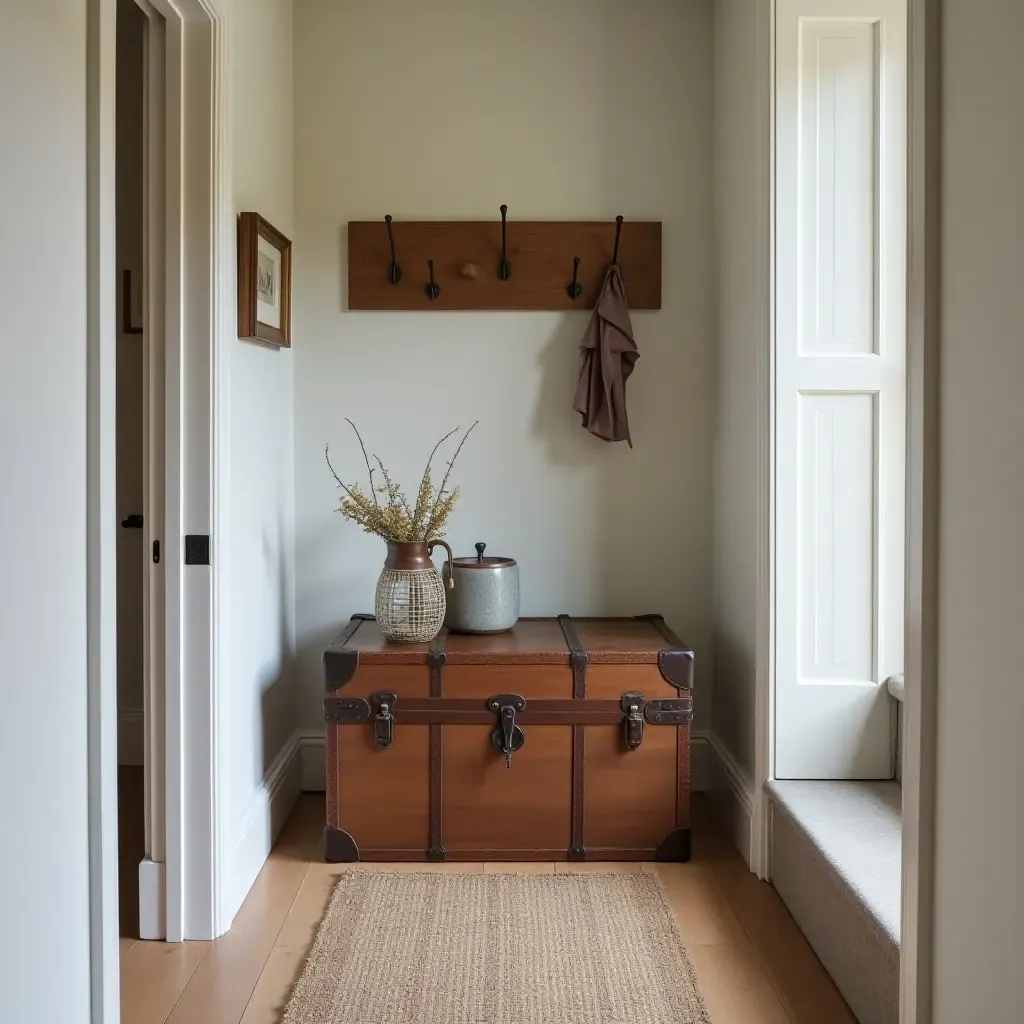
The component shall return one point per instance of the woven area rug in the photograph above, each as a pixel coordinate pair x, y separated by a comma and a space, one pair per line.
419, 948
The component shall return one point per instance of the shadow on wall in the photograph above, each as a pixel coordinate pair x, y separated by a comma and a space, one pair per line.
276, 678
734, 683
554, 425
635, 504
346, 589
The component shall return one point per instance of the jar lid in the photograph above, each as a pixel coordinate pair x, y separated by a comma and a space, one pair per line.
480, 562
490, 562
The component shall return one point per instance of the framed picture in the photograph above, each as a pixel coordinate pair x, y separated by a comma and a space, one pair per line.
264, 282
131, 303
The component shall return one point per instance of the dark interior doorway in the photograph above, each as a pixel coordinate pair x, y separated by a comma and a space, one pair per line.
130, 468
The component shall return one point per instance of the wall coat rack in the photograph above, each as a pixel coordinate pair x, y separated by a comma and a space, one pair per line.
501, 264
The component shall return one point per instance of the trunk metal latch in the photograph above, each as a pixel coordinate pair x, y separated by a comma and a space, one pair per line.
633, 724
669, 711
384, 720
508, 737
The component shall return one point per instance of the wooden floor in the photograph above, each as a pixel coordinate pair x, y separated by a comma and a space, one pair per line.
754, 965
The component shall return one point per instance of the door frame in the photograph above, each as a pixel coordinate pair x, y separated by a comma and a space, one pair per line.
921, 671
922, 512
101, 509
196, 272
764, 679
179, 877
152, 869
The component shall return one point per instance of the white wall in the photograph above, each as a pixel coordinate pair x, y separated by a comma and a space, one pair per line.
259, 578
44, 869
573, 110
741, 235
979, 903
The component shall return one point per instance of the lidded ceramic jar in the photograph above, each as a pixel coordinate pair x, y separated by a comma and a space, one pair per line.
485, 598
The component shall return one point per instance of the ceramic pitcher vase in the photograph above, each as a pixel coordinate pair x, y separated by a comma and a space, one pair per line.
410, 599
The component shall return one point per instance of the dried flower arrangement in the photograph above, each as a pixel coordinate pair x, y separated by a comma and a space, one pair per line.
394, 519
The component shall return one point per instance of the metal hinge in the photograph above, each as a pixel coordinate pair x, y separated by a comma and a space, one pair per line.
669, 711
346, 710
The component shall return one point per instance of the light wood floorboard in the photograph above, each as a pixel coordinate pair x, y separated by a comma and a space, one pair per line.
153, 976
227, 976
753, 964
804, 986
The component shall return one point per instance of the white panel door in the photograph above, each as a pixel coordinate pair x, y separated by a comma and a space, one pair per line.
840, 358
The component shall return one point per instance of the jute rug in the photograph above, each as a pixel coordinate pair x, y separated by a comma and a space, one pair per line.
418, 948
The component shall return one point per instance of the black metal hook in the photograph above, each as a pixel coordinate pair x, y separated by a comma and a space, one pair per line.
432, 289
504, 268
394, 270
574, 289
618, 231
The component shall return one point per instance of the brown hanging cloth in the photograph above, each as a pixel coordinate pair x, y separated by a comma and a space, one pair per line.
609, 352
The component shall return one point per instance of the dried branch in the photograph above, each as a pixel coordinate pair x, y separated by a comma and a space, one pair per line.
366, 459
395, 520
446, 503
396, 499
425, 479
327, 456
444, 482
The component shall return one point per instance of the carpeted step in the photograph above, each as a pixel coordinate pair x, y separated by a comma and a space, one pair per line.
836, 850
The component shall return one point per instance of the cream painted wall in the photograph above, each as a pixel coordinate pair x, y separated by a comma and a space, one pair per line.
581, 109
742, 249
979, 892
260, 415
44, 855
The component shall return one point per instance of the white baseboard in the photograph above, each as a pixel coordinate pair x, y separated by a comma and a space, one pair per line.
732, 795
268, 809
131, 737
703, 767
313, 757
152, 900
701, 756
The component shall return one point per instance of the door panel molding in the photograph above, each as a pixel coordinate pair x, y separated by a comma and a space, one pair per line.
840, 375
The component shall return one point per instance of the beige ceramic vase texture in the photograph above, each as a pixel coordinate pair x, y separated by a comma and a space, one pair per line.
410, 599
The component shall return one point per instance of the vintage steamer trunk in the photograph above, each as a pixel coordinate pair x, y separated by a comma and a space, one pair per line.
561, 739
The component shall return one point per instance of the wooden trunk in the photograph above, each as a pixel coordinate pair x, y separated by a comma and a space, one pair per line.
561, 739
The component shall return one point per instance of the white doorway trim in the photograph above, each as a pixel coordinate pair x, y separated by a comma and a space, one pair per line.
764, 679
183, 809
196, 273
101, 509
152, 870
921, 674
918, 740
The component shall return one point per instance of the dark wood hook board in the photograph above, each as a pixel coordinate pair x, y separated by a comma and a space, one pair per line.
467, 262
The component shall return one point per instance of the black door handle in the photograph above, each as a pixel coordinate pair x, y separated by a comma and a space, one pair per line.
132, 522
